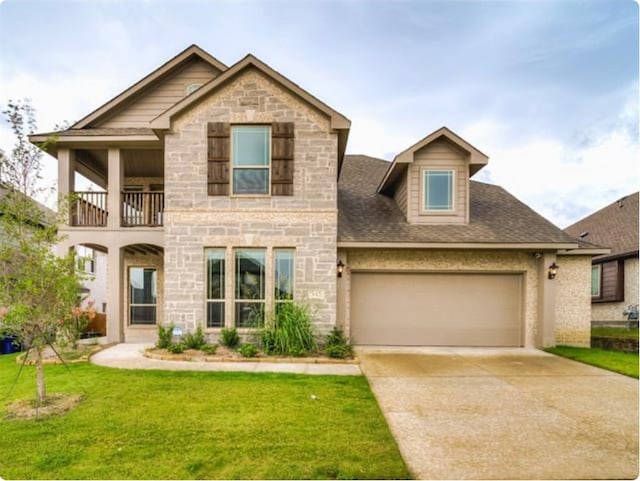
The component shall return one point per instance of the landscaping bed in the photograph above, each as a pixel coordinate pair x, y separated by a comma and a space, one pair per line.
225, 354
70, 356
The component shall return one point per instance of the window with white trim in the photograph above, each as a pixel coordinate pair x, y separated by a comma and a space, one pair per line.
596, 280
283, 273
215, 287
143, 285
249, 287
250, 159
437, 187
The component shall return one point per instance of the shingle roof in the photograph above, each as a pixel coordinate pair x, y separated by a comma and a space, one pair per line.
614, 226
495, 215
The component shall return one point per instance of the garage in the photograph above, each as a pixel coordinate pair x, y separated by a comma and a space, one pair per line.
436, 309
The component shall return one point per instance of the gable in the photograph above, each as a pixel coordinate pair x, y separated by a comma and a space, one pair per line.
154, 100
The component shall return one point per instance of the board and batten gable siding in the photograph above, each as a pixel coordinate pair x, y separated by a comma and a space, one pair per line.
158, 98
439, 154
305, 221
400, 194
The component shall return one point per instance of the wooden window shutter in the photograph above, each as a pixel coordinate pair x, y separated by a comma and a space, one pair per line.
612, 286
218, 140
282, 154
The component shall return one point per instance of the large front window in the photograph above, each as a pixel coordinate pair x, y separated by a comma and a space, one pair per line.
596, 277
215, 287
143, 282
250, 159
250, 287
438, 190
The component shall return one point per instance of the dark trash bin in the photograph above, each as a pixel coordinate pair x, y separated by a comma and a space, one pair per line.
7, 345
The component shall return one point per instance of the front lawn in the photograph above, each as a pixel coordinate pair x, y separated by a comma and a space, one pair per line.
619, 332
620, 362
198, 425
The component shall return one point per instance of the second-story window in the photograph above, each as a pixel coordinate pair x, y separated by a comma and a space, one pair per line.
251, 159
438, 190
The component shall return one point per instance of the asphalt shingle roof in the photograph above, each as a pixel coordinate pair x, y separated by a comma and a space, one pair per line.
495, 215
101, 131
614, 226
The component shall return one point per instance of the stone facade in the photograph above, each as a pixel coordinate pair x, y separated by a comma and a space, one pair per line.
573, 301
612, 311
306, 221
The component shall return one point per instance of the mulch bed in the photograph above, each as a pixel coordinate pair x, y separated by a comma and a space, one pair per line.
54, 404
224, 354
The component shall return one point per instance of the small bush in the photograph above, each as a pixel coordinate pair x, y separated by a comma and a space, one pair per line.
337, 345
248, 350
290, 332
209, 349
165, 336
177, 348
194, 340
229, 337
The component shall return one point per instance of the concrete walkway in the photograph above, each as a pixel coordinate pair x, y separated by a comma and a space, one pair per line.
505, 414
129, 356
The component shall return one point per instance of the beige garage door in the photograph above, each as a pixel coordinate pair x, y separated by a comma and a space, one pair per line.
406, 309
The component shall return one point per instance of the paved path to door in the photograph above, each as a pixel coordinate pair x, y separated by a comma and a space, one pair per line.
505, 414
129, 356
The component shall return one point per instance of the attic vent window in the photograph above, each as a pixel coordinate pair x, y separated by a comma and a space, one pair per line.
192, 88
584, 234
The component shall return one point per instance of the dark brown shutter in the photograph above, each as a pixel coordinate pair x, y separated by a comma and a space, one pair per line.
282, 154
218, 158
612, 287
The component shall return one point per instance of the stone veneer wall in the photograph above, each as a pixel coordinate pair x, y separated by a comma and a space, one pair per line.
306, 221
573, 301
142, 333
458, 261
612, 311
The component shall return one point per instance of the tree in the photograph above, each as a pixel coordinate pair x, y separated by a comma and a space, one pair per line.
38, 289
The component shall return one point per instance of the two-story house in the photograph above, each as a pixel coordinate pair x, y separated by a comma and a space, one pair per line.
226, 190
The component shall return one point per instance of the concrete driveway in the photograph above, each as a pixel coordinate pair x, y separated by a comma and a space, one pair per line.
461, 413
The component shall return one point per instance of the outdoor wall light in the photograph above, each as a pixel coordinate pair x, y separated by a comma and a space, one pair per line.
553, 270
340, 267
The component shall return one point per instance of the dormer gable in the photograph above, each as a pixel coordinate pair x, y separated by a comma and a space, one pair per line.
430, 180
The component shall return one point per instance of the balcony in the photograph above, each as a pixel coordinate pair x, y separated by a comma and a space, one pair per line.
137, 209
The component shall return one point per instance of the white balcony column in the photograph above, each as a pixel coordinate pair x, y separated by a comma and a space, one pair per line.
115, 289
114, 188
66, 177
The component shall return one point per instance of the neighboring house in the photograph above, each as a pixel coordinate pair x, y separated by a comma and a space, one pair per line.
614, 276
227, 191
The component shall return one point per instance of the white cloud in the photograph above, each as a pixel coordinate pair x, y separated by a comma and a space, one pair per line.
562, 182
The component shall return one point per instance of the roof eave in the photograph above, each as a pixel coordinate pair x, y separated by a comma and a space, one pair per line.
528, 246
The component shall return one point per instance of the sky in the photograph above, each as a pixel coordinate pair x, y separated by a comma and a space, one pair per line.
547, 89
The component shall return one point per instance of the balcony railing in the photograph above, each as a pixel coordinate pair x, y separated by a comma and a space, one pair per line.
139, 209
89, 209
142, 209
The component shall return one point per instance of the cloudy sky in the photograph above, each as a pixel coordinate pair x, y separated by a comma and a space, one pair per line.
547, 89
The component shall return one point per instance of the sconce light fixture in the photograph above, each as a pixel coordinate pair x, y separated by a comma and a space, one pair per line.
340, 267
553, 270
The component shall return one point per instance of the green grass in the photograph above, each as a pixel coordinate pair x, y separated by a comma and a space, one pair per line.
619, 332
620, 362
197, 425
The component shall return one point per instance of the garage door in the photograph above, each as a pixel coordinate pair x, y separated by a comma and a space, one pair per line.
405, 309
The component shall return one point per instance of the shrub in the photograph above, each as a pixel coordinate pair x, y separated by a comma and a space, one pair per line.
177, 348
194, 340
290, 332
165, 336
229, 337
209, 349
248, 350
337, 345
